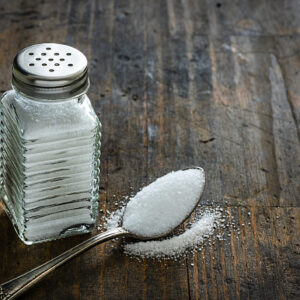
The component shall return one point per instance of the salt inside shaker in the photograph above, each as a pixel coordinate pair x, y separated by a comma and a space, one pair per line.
51, 145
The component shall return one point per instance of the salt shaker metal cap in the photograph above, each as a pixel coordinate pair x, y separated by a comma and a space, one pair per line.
50, 71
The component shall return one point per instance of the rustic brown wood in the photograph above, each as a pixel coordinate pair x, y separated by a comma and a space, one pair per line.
175, 84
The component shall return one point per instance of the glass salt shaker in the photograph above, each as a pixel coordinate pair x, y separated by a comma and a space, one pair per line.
50, 145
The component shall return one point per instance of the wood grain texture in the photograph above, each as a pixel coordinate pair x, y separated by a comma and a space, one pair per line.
179, 83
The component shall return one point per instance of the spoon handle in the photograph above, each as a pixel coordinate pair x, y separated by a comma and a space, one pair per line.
15, 287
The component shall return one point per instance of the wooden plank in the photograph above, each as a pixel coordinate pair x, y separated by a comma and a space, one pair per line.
179, 83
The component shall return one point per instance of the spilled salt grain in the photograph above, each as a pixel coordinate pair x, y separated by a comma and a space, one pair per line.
177, 245
114, 219
165, 203
202, 227
191, 240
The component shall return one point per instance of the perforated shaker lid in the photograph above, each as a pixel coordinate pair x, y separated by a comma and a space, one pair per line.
50, 71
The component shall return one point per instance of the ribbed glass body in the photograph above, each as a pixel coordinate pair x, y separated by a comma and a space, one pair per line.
51, 152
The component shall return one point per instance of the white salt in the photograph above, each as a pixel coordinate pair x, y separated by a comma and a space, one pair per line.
165, 203
177, 245
174, 247
156, 213
114, 219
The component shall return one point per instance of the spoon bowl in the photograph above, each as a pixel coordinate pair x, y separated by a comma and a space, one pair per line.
180, 221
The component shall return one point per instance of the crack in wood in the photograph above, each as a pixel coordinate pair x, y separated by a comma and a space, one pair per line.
207, 141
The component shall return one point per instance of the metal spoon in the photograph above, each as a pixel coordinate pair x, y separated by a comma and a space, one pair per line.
15, 287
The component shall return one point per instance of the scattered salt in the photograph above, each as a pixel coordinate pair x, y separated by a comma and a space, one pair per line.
114, 219
165, 203
177, 245
202, 228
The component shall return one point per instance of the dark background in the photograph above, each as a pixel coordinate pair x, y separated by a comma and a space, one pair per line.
176, 84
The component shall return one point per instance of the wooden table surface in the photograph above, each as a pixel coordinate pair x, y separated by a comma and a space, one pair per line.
177, 84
